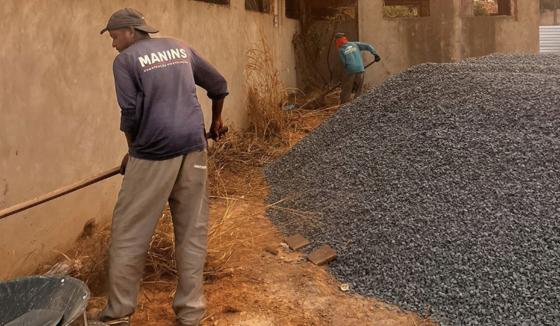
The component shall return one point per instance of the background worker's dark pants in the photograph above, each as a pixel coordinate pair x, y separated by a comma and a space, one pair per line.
352, 83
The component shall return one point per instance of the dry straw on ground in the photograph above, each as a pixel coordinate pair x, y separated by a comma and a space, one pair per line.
266, 93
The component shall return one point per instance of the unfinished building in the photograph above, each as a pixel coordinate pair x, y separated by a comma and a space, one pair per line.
409, 32
59, 119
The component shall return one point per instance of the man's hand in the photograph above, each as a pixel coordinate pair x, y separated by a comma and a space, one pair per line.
123, 164
216, 129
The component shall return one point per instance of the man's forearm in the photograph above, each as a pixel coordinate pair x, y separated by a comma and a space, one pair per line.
129, 139
216, 126
217, 106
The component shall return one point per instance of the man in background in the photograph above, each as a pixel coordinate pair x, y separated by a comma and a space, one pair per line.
350, 54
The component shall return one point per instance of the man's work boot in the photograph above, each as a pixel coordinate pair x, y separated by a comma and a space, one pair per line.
198, 322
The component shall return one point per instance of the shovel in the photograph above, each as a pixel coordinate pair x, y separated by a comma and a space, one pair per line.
322, 95
71, 188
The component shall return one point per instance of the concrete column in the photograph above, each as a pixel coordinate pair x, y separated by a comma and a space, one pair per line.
556, 12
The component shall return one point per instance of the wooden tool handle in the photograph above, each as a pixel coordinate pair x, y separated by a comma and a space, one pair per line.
58, 193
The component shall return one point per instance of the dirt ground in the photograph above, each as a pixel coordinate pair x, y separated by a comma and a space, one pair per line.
256, 287
246, 282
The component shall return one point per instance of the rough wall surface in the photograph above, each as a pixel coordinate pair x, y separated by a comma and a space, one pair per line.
547, 18
60, 120
449, 34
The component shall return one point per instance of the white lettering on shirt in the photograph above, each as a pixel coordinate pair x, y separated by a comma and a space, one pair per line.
155, 58
175, 53
145, 60
162, 56
349, 50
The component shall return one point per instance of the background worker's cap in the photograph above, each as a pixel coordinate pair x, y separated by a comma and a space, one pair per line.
128, 17
339, 35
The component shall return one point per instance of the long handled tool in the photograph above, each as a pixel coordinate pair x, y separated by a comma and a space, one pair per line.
58, 193
71, 188
322, 95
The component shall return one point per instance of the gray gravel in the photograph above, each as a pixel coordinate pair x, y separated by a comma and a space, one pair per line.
440, 191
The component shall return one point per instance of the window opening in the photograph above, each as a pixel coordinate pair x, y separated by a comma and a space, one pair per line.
406, 8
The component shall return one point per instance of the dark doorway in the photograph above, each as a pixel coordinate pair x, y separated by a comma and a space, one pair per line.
317, 59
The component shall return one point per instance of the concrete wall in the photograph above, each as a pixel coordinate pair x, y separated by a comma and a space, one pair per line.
60, 120
548, 18
450, 33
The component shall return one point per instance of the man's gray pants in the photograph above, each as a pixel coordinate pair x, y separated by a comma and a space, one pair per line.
146, 188
352, 83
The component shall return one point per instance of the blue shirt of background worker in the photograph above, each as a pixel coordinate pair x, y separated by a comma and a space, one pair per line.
350, 54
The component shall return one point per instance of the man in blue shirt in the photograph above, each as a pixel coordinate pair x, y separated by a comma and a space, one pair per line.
351, 57
155, 81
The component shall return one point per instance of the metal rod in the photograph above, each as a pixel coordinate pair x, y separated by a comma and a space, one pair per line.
58, 193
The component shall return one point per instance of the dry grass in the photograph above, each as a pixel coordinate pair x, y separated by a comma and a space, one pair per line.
231, 160
87, 261
266, 92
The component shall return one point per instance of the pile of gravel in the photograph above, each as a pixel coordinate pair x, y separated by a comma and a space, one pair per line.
440, 190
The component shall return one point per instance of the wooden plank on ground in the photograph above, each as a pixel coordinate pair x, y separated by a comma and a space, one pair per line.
297, 242
323, 255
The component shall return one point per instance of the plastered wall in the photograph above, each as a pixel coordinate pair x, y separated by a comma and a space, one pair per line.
450, 33
59, 120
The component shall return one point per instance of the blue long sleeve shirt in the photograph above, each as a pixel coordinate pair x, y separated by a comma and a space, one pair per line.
351, 56
156, 82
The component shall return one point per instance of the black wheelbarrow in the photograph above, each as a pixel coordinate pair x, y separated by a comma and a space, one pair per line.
42, 301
